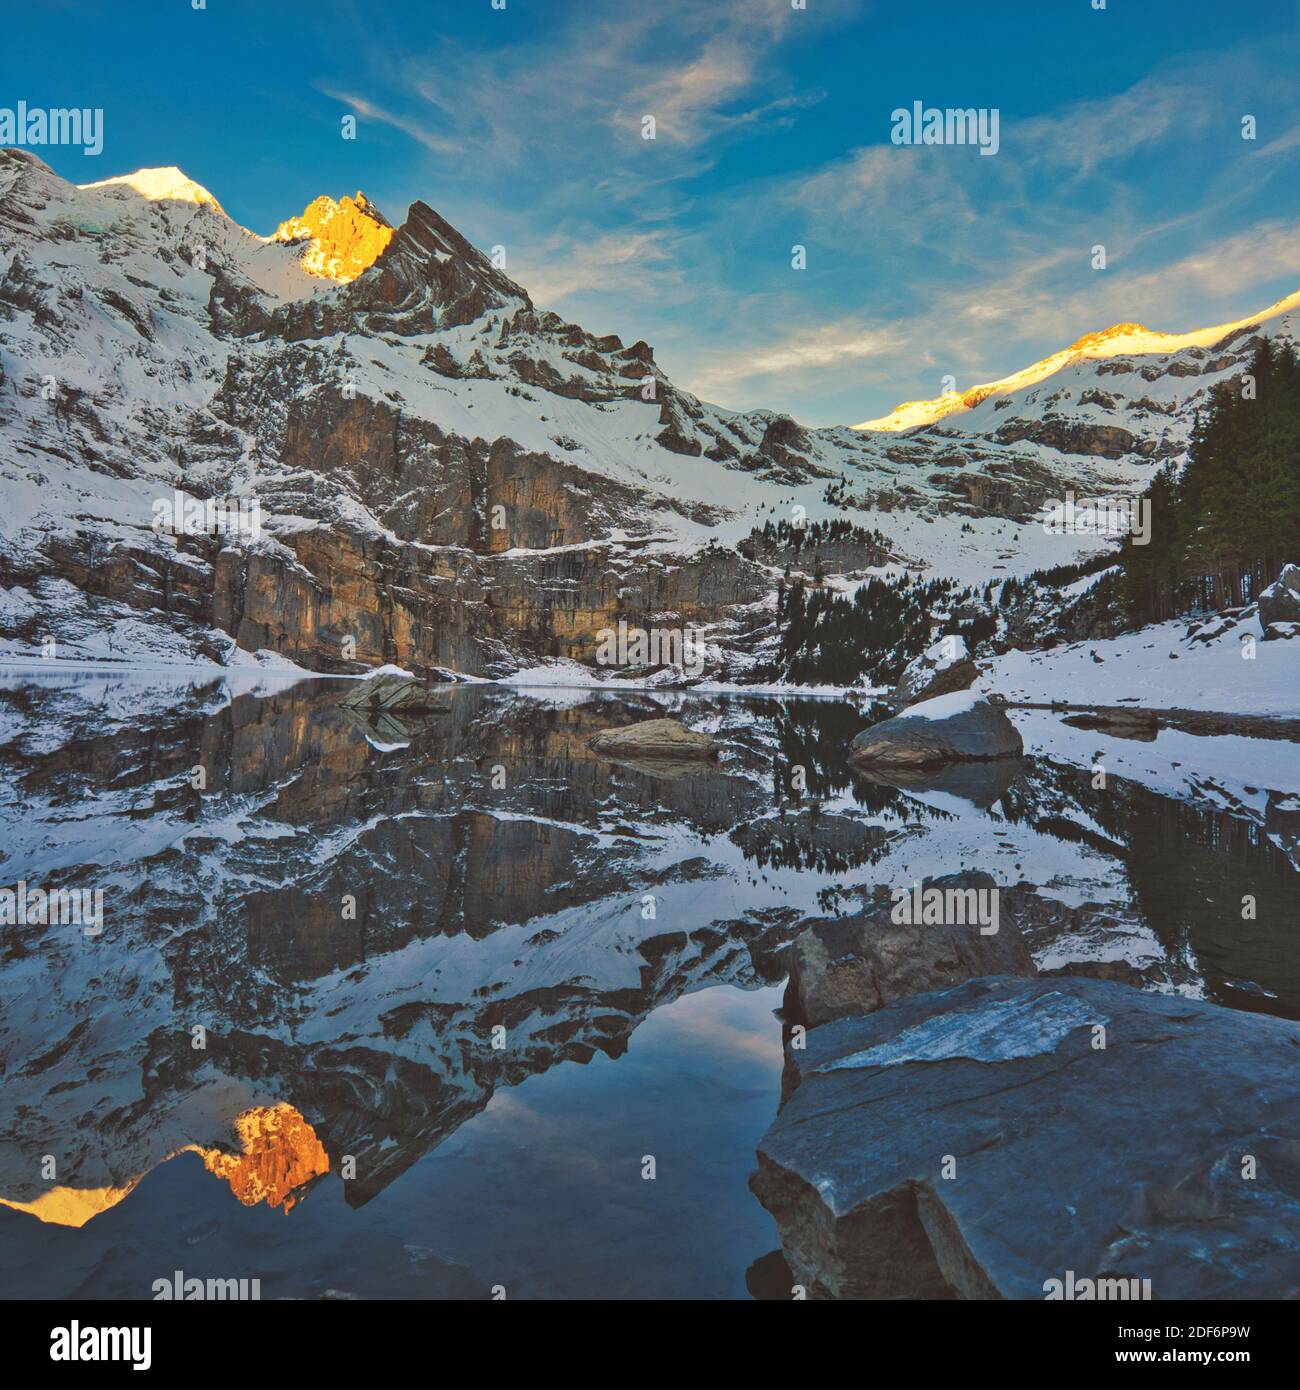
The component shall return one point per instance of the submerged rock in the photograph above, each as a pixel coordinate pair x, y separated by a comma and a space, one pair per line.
957, 727
655, 738
983, 1141
1119, 721
855, 965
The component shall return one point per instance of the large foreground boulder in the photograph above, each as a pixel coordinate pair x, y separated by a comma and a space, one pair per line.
655, 738
957, 727
1280, 602
854, 965
1166, 1148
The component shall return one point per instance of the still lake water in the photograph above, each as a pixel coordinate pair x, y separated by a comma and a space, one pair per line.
405, 1009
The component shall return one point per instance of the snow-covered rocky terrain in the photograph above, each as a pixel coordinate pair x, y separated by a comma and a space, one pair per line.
447, 476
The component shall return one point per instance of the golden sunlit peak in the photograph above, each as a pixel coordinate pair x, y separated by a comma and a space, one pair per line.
344, 238
160, 185
279, 1153
1119, 340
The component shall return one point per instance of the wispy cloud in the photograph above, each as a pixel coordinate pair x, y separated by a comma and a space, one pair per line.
805, 349
418, 131
586, 264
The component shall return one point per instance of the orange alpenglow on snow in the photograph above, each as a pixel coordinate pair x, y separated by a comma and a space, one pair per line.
347, 237
71, 1206
1120, 340
279, 1153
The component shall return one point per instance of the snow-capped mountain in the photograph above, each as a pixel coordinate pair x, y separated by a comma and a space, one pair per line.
1116, 346
445, 474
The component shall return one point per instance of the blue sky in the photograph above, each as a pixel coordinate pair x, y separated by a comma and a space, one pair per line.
1119, 127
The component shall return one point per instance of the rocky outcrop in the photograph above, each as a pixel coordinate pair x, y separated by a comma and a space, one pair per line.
342, 238
951, 728
1280, 602
854, 965
1076, 437
941, 669
1012, 1138
279, 1157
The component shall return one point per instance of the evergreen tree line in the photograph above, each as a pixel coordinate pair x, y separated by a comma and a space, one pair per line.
828, 638
1223, 528
1057, 577
817, 533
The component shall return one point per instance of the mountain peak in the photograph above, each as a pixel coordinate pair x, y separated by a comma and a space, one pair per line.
1119, 340
346, 237
1106, 336
167, 183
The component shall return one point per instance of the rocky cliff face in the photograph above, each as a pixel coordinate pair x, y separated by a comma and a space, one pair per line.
447, 475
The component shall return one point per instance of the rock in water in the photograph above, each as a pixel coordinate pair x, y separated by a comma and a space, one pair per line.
951, 728
1118, 721
1070, 1160
854, 965
388, 694
655, 738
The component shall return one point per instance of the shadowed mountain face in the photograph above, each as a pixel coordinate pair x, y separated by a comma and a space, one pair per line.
326, 946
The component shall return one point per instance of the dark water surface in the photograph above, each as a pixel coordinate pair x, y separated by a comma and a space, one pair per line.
459, 981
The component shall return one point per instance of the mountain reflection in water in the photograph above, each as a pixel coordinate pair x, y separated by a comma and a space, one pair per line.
388, 937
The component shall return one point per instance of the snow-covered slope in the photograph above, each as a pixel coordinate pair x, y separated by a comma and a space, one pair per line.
1173, 665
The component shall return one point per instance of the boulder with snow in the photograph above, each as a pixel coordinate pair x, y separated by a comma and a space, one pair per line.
391, 690
958, 727
1280, 602
939, 670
